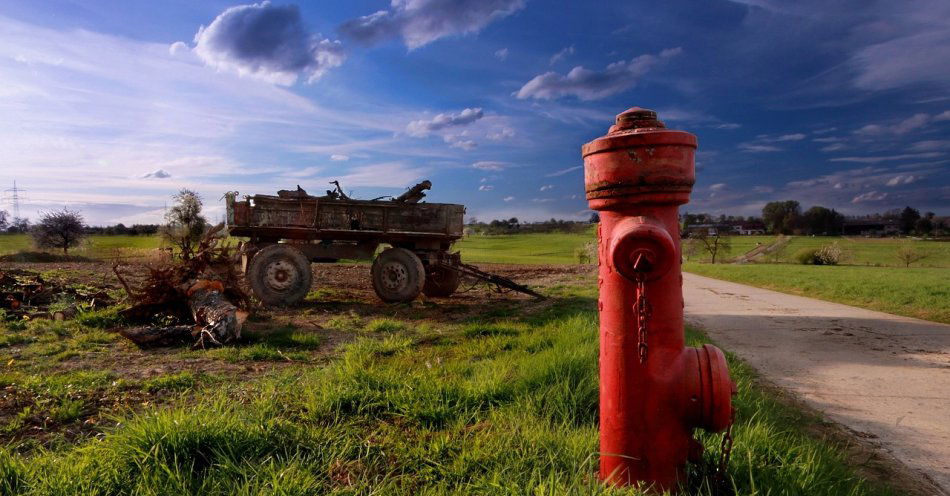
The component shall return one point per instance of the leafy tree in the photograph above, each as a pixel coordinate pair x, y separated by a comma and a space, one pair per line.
925, 225
908, 219
61, 229
185, 224
782, 217
820, 220
4, 220
19, 225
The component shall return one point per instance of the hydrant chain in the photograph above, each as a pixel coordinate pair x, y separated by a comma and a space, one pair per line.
642, 307
725, 451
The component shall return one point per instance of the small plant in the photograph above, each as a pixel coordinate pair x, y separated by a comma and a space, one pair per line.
385, 325
829, 254
171, 382
908, 255
67, 410
806, 256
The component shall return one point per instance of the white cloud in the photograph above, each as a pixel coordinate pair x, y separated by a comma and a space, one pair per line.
508, 198
834, 147
547, 187
564, 171
903, 179
905, 126
501, 54
421, 128
459, 141
490, 165
718, 187
870, 196
501, 134
156, 174
420, 22
943, 116
564, 53
592, 85
486, 187
268, 42
339, 157
791, 137
758, 148
887, 158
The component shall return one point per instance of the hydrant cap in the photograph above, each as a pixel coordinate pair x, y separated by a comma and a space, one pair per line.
636, 118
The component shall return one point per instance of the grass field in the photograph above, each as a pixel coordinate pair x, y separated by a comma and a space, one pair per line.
98, 247
857, 251
553, 248
923, 293
503, 402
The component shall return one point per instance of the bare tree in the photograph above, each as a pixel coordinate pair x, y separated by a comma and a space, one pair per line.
715, 244
4, 220
185, 224
908, 254
690, 247
61, 229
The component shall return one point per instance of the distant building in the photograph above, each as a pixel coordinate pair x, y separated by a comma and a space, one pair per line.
871, 227
749, 228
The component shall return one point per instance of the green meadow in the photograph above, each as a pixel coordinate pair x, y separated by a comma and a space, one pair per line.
503, 403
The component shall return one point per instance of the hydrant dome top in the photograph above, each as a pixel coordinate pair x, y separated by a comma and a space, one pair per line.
636, 118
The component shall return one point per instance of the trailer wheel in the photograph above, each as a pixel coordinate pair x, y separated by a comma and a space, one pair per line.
398, 275
441, 282
280, 275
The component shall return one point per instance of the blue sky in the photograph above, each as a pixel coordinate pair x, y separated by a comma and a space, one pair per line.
109, 107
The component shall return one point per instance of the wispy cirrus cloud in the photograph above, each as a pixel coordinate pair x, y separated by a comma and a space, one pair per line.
420, 22
587, 84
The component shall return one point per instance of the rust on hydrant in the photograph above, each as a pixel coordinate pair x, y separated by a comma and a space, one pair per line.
653, 389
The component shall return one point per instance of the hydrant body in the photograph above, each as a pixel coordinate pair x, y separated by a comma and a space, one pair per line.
653, 390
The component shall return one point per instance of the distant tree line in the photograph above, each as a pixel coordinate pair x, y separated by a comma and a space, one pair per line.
19, 225
514, 226
787, 217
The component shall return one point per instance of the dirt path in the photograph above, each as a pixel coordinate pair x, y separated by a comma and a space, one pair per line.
884, 377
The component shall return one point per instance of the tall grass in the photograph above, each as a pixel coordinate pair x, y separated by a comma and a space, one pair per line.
507, 406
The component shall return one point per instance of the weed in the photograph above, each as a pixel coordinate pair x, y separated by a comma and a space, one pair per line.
385, 326
171, 382
102, 319
67, 410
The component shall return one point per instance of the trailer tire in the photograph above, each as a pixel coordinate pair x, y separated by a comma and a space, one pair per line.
441, 282
398, 275
279, 275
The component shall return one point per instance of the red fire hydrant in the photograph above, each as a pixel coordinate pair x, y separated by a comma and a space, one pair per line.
653, 390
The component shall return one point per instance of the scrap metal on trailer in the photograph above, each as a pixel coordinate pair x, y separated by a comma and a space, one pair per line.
289, 231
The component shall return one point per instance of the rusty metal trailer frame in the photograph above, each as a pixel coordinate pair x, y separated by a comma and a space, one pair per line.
293, 229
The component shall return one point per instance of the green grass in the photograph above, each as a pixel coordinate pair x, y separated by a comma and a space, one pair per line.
544, 248
505, 404
915, 292
98, 246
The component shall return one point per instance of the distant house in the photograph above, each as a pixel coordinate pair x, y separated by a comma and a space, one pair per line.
870, 227
749, 228
710, 229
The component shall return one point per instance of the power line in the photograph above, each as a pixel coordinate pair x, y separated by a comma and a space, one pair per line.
15, 198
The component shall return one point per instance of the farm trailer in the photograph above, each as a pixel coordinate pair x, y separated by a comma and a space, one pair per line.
288, 232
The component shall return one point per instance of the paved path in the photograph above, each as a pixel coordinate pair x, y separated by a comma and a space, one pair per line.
883, 376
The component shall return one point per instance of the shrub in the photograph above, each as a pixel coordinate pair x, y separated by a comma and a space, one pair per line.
828, 255
806, 256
